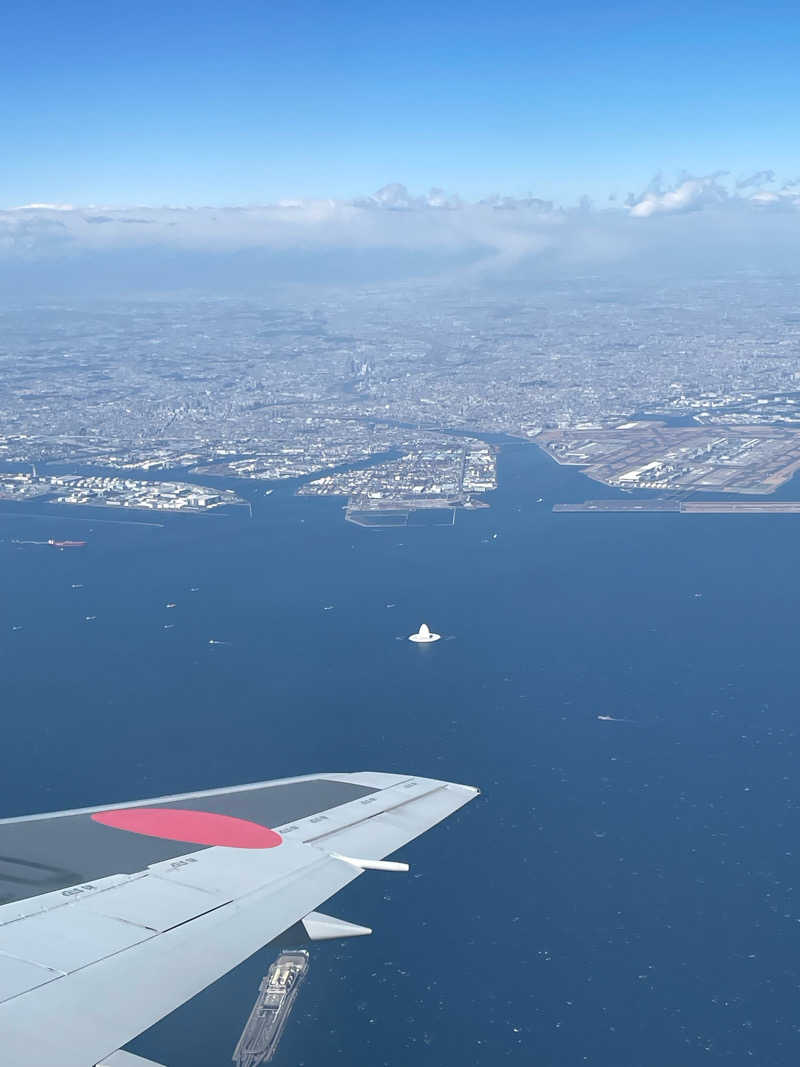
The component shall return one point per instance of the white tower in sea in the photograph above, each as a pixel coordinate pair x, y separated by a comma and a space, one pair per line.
424, 636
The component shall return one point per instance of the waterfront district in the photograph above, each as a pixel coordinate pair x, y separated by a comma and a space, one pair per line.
96, 491
396, 397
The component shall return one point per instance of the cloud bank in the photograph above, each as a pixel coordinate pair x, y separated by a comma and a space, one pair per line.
395, 233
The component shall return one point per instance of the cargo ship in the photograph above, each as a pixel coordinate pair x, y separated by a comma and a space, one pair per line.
276, 997
66, 544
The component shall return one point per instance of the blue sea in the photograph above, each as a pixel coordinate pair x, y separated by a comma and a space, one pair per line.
621, 894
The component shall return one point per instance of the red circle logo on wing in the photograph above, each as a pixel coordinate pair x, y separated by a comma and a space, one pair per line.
194, 827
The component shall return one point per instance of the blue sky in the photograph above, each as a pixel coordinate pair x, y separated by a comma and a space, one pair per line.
245, 102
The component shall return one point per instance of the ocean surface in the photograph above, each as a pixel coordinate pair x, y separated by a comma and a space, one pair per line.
622, 893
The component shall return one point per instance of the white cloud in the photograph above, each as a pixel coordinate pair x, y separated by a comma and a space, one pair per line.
788, 197
691, 194
392, 218
45, 207
764, 196
761, 177
395, 233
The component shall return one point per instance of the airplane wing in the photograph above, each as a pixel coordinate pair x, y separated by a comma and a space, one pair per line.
110, 918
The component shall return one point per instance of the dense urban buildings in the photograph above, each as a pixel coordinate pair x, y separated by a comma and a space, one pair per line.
401, 394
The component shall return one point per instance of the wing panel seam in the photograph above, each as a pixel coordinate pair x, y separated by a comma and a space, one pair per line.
373, 815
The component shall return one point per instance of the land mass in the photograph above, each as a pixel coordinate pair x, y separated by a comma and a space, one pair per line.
652, 455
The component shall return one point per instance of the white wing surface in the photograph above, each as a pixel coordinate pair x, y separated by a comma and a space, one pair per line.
113, 917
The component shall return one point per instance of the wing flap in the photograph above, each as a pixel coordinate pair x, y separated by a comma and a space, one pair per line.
154, 903
230, 872
66, 940
127, 1059
18, 976
384, 833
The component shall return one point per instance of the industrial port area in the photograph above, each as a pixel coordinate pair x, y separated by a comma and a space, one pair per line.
96, 491
440, 476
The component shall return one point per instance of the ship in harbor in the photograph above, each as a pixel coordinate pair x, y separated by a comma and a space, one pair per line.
276, 997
